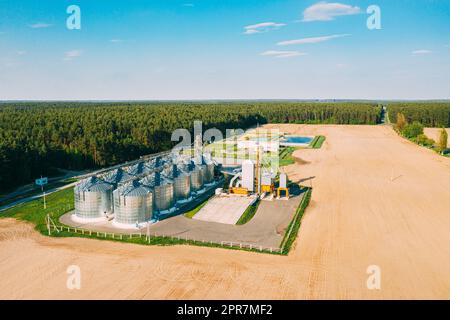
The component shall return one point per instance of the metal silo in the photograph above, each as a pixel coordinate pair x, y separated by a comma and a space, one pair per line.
93, 198
117, 176
202, 169
163, 189
208, 175
139, 169
133, 203
181, 181
196, 176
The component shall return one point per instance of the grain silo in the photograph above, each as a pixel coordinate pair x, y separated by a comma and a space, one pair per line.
196, 175
163, 190
208, 175
93, 198
139, 169
117, 176
181, 181
164, 193
133, 203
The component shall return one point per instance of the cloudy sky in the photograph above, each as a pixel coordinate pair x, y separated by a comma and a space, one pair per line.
216, 49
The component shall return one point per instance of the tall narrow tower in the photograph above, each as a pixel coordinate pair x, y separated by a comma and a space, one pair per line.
198, 149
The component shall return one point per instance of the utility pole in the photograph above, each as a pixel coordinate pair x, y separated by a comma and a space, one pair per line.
41, 182
42, 189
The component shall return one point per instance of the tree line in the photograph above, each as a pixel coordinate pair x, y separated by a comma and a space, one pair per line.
414, 132
430, 114
37, 137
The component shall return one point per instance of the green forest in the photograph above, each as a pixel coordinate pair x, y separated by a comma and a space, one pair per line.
429, 114
37, 137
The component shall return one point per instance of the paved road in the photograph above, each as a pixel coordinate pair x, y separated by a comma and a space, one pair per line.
82, 176
37, 196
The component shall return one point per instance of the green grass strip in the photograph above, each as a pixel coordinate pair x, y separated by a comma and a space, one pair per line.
317, 142
191, 213
249, 213
294, 226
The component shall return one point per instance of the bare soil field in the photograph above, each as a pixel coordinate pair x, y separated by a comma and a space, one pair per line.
378, 199
434, 133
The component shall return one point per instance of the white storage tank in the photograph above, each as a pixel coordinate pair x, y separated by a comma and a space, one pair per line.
267, 178
93, 198
248, 175
283, 180
133, 203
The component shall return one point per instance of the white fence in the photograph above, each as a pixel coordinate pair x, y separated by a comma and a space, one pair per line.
149, 236
54, 227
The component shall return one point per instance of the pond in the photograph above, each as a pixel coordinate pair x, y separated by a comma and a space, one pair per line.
295, 141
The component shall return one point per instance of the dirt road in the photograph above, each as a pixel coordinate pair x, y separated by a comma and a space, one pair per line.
378, 200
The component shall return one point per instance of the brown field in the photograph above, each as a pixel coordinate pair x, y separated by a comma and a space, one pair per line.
434, 133
378, 200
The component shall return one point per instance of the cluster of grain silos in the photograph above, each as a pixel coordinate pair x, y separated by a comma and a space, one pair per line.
146, 190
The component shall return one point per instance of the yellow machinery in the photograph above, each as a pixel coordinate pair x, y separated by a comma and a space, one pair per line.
283, 185
267, 188
286, 190
238, 190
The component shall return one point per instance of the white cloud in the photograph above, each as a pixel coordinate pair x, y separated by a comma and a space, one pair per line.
282, 54
421, 52
70, 55
21, 52
40, 25
116, 40
323, 11
262, 27
188, 5
311, 40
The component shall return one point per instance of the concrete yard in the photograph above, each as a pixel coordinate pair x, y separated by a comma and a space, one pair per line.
224, 209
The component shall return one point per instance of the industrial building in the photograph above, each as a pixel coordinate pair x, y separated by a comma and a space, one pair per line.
148, 190
255, 177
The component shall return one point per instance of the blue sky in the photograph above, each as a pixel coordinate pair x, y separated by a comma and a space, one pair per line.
217, 49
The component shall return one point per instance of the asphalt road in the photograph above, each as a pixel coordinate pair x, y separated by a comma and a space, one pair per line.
37, 196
